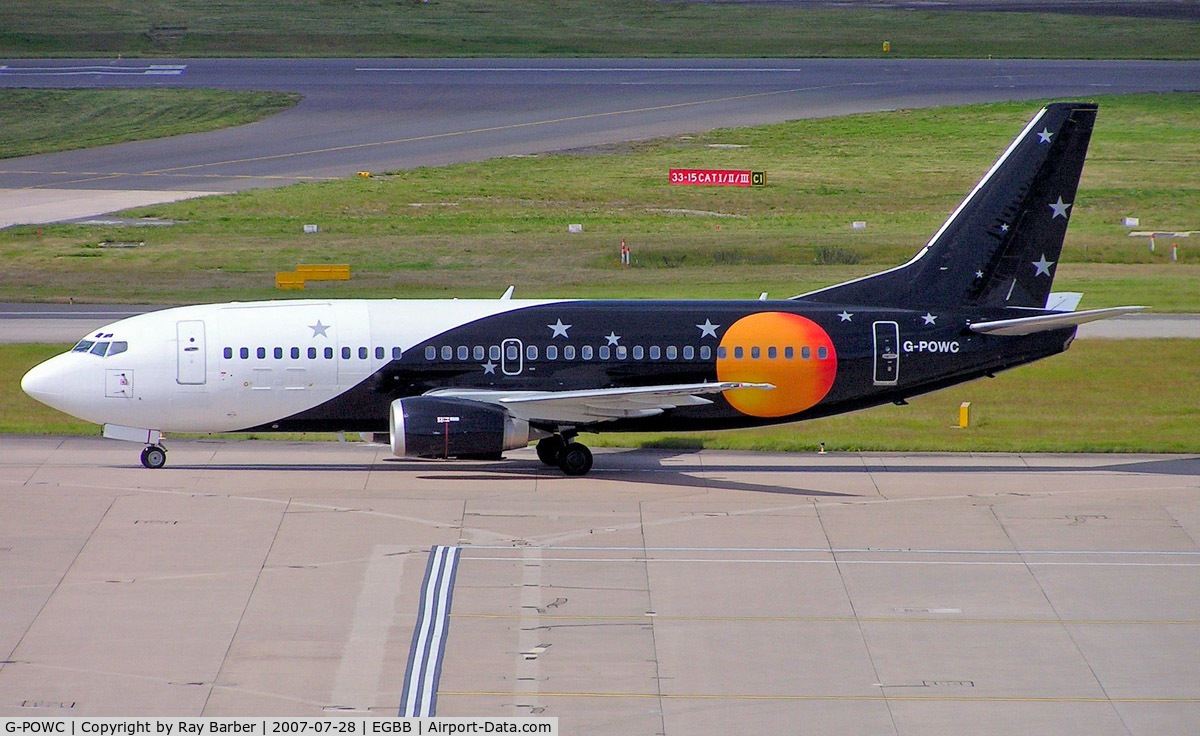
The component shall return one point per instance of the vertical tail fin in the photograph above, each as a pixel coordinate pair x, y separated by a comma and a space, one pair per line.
999, 248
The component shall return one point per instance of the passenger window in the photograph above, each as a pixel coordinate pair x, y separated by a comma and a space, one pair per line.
822, 353
494, 352
512, 352
380, 353
346, 353
430, 353
721, 352
261, 353
478, 352
463, 352
99, 349
568, 352
228, 353
278, 353
585, 352
638, 352
328, 353
655, 352
622, 352
772, 353
806, 352
397, 353
531, 352
447, 352
312, 353
551, 352
789, 352
739, 352
706, 352
362, 353
689, 352
244, 353
605, 353
83, 346
295, 352
756, 352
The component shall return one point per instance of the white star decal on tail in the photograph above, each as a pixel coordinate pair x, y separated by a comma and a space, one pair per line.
1044, 136
708, 329
929, 318
1060, 208
1042, 266
560, 330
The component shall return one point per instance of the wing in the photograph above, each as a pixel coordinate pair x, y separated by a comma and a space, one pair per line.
597, 405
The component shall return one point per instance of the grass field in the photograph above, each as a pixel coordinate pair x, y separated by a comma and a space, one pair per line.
44, 121
1100, 396
470, 230
563, 28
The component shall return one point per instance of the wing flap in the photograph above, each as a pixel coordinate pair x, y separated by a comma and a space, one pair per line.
1046, 322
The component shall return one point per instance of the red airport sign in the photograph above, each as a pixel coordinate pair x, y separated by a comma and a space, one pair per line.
718, 178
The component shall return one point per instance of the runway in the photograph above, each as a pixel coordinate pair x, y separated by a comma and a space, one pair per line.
388, 114
666, 593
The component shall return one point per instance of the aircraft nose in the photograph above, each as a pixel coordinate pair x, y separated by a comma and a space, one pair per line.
46, 382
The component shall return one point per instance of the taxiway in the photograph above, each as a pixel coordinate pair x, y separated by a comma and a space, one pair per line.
666, 593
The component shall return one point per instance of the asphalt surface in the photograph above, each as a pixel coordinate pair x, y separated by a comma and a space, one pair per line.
389, 114
665, 593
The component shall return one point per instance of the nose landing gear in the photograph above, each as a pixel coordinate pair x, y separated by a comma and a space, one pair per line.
154, 456
566, 454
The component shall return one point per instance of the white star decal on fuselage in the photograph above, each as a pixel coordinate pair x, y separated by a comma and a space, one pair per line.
979, 274
1004, 227
1042, 266
929, 318
613, 338
1044, 136
708, 329
560, 330
489, 367
845, 316
319, 329
1060, 208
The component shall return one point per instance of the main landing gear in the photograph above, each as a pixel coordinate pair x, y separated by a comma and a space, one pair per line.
566, 454
154, 456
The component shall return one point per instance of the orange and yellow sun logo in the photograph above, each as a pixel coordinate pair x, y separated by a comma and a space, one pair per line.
787, 350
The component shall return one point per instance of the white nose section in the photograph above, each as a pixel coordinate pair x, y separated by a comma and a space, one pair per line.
48, 381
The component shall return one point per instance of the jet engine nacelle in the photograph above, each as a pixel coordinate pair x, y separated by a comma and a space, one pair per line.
427, 426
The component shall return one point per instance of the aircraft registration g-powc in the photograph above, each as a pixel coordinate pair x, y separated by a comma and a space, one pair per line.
473, 378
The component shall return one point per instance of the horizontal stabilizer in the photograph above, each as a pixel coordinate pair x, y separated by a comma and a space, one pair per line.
1046, 322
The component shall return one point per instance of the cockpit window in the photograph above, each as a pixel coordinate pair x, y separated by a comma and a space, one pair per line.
83, 346
118, 347
99, 349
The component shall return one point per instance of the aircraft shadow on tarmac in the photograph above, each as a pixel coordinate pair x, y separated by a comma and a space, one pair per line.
646, 466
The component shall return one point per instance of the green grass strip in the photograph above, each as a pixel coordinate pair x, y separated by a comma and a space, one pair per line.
44, 121
617, 28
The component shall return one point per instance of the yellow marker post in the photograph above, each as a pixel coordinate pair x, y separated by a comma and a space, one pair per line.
887, 47
964, 414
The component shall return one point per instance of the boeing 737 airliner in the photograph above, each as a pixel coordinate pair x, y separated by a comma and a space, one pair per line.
474, 378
